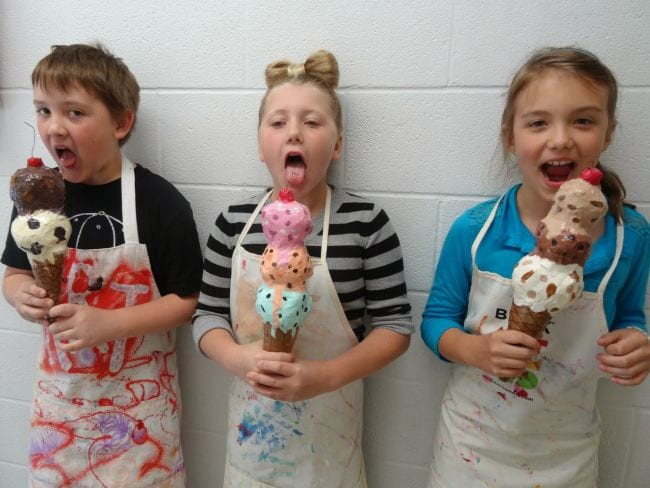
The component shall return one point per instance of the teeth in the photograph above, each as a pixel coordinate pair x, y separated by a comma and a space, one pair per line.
559, 163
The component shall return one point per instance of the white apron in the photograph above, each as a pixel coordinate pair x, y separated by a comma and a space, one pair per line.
108, 416
538, 430
312, 443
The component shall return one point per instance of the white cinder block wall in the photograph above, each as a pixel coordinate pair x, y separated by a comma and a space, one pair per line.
421, 84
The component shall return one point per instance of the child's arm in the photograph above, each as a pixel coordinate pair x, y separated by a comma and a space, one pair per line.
21, 292
211, 322
504, 353
80, 326
303, 379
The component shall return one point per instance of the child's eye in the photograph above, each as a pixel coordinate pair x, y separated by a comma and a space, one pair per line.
536, 123
584, 121
277, 124
74, 113
312, 123
42, 111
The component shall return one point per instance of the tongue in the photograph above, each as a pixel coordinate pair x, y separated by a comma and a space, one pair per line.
67, 158
295, 173
557, 173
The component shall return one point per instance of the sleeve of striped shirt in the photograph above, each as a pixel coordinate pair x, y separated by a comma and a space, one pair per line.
383, 269
213, 309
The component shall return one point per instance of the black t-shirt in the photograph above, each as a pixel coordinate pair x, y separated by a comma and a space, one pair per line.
165, 224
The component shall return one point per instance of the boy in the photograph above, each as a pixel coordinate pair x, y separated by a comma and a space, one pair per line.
106, 407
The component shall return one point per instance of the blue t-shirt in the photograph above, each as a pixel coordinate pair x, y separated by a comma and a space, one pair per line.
508, 240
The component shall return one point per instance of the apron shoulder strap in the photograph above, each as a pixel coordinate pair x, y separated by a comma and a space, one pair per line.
251, 219
326, 224
620, 233
484, 229
129, 216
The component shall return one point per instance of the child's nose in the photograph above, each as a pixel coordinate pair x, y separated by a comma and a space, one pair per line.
561, 137
294, 134
55, 126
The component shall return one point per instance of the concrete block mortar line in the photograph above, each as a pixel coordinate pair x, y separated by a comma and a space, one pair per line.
16, 401
13, 465
420, 195
23, 332
213, 186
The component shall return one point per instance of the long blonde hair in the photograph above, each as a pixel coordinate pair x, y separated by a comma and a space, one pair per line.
320, 69
587, 67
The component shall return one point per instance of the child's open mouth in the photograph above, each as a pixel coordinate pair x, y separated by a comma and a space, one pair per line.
557, 171
294, 168
65, 156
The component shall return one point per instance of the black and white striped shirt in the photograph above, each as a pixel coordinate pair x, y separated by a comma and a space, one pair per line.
363, 256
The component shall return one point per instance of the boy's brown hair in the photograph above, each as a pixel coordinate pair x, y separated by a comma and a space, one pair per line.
96, 70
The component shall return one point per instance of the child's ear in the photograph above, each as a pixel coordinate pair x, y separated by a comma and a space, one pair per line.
338, 148
123, 124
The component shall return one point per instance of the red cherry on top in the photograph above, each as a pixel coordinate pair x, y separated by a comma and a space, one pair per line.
592, 175
286, 195
34, 162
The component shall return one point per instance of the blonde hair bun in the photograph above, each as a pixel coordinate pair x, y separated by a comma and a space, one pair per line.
321, 67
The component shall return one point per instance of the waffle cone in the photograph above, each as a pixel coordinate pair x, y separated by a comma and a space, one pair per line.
282, 342
48, 275
524, 319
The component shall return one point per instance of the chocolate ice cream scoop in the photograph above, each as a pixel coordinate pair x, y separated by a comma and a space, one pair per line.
37, 187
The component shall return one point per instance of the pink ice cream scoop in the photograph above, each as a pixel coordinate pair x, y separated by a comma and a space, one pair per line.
286, 224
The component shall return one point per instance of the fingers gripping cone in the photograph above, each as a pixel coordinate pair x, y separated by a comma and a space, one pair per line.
283, 301
41, 229
550, 278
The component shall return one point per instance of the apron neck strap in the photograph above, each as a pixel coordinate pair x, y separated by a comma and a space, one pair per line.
620, 234
326, 221
251, 220
326, 224
129, 217
484, 229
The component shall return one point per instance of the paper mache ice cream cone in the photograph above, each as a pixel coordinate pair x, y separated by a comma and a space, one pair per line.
41, 229
282, 300
550, 278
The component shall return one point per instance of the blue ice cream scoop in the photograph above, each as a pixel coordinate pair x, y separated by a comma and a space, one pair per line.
291, 314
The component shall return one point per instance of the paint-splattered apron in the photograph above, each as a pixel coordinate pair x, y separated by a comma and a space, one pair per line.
108, 416
313, 443
539, 430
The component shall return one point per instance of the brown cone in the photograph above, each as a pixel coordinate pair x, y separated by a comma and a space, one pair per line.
282, 342
48, 276
524, 319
